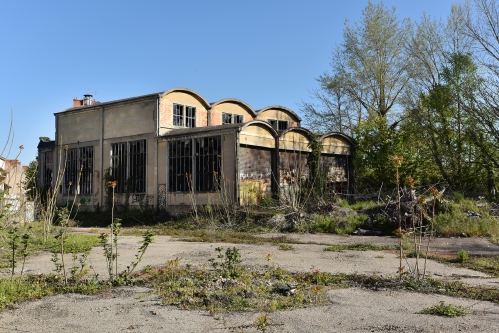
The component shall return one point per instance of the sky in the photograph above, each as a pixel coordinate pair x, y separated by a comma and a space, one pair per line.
266, 52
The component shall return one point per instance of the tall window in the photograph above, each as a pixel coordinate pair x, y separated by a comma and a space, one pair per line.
48, 167
184, 116
137, 172
195, 169
238, 119
190, 116
128, 165
79, 170
178, 115
180, 166
208, 159
86, 159
119, 154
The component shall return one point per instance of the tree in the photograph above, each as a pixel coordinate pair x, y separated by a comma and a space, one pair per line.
29, 183
361, 94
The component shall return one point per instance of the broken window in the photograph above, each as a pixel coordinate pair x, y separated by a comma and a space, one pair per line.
178, 115
238, 119
207, 167
179, 166
71, 172
79, 170
181, 112
137, 174
128, 163
86, 155
119, 154
279, 125
203, 174
226, 118
48, 166
282, 125
190, 116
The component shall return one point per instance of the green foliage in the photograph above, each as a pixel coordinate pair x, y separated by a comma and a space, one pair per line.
446, 310
357, 247
286, 247
463, 256
29, 183
228, 265
334, 224
454, 220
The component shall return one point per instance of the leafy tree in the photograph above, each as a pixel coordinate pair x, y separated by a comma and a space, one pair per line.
29, 183
361, 95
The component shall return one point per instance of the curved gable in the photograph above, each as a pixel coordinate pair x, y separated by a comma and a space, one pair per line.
258, 133
337, 143
295, 139
187, 98
231, 106
280, 113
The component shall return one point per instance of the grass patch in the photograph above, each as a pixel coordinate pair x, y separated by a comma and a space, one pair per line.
446, 310
359, 205
286, 247
358, 247
488, 265
272, 290
37, 286
454, 220
211, 236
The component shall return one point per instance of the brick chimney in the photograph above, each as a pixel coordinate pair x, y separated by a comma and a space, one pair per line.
87, 100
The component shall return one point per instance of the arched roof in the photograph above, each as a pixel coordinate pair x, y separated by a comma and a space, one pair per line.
263, 123
341, 135
279, 107
236, 101
303, 130
191, 92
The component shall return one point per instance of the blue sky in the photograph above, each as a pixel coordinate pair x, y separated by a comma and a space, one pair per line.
262, 52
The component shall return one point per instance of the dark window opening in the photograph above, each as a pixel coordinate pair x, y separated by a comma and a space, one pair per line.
86, 166
128, 165
178, 115
194, 170
190, 117
48, 166
138, 166
71, 172
282, 125
238, 119
226, 118
273, 123
119, 154
179, 166
208, 159
79, 171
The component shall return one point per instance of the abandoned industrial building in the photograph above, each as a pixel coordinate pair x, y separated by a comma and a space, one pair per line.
173, 149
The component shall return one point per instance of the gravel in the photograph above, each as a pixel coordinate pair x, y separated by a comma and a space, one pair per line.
138, 309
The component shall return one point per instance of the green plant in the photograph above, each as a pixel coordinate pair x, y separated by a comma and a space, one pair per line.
229, 262
286, 247
448, 310
462, 256
262, 322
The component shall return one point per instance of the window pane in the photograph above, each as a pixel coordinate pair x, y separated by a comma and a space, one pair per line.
208, 160
138, 166
178, 115
283, 125
226, 118
180, 166
86, 165
190, 119
238, 119
119, 165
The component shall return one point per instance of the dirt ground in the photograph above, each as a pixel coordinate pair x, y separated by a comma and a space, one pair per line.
132, 309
